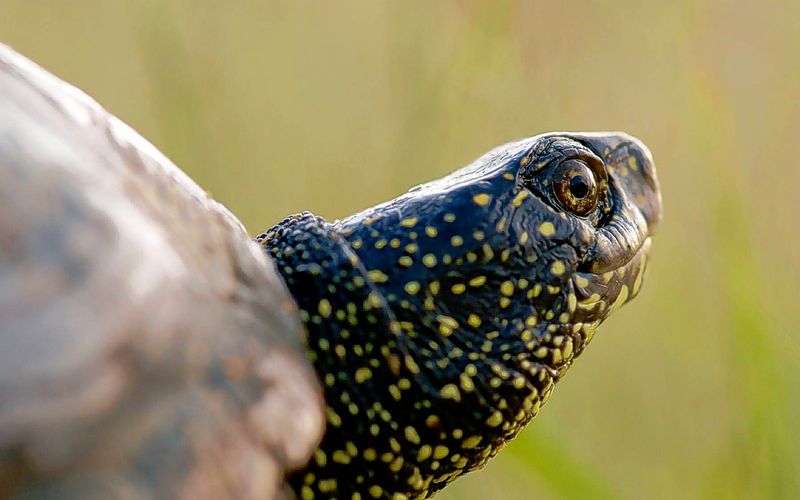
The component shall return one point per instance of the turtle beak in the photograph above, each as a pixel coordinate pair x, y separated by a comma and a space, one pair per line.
631, 165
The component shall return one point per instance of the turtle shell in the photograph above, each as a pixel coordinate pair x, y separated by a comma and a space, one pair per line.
147, 346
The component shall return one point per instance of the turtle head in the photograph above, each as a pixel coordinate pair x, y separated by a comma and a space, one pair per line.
520, 255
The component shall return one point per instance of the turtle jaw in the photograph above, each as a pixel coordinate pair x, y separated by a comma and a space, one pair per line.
600, 294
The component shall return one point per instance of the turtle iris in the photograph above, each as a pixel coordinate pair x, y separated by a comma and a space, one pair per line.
575, 187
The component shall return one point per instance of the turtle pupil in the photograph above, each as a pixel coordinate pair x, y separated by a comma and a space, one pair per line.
579, 187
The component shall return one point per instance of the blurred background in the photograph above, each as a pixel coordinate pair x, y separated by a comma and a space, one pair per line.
691, 391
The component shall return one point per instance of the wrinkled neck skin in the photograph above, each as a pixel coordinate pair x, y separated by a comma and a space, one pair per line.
440, 321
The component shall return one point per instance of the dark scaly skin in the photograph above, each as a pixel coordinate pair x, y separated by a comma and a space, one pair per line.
440, 321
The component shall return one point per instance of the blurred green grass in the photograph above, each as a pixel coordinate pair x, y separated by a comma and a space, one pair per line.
276, 107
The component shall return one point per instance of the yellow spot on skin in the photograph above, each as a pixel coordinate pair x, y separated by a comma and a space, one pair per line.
324, 308
375, 491
377, 276
466, 383
581, 281
456, 241
326, 485
508, 176
432, 421
306, 493
412, 435
433, 286
478, 235
333, 417
477, 281
431, 231
424, 452
458, 288
374, 300
505, 254
567, 351
523, 238
410, 222
471, 442
547, 229
487, 252
519, 198
320, 457
394, 243
370, 454
494, 419
440, 452
448, 321
340, 457
504, 302
474, 320
518, 382
507, 288
482, 199
405, 261
429, 260
363, 374
412, 287
411, 365
411, 248
449, 217
572, 302
557, 268
450, 391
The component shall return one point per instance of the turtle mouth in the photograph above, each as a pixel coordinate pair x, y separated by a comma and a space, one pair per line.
600, 293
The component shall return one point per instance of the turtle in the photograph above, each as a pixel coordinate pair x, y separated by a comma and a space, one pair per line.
149, 347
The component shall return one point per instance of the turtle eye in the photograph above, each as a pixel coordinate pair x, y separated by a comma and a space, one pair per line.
575, 187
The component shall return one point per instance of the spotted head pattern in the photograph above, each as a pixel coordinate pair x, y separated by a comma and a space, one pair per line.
440, 321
